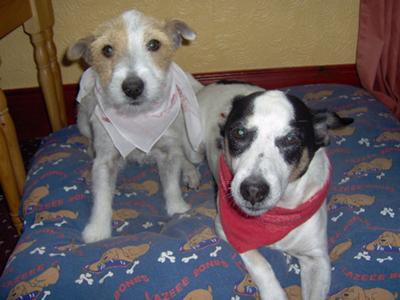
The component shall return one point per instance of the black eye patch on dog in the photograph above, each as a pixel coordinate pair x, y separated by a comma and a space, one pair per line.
302, 135
238, 136
291, 146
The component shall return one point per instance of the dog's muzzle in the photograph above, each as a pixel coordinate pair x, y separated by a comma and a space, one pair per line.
254, 189
133, 87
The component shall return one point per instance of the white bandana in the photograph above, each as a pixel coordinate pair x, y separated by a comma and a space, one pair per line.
143, 130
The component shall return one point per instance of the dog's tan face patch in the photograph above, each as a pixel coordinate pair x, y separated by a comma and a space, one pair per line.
116, 34
111, 34
301, 166
162, 57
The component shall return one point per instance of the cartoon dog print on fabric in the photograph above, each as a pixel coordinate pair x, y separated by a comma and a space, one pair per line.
68, 247
387, 241
20, 247
350, 200
352, 111
33, 288
346, 131
78, 139
360, 93
247, 287
150, 187
204, 238
200, 294
358, 293
122, 214
120, 217
34, 198
203, 187
388, 136
209, 212
53, 157
85, 175
118, 257
55, 216
339, 249
314, 96
376, 165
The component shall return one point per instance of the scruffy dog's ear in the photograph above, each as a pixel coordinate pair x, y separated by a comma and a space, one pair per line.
325, 120
179, 30
81, 49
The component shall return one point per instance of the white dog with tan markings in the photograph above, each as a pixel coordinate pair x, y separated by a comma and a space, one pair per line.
266, 150
135, 103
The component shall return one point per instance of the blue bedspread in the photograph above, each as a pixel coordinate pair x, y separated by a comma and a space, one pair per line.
152, 256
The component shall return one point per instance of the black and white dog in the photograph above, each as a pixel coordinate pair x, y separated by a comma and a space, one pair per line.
266, 151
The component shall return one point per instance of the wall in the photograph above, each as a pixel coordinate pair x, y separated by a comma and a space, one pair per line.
232, 34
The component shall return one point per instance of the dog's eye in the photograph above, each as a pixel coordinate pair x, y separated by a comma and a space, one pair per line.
290, 140
107, 51
239, 133
153, 45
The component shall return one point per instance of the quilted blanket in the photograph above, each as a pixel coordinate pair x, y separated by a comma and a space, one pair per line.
153, 256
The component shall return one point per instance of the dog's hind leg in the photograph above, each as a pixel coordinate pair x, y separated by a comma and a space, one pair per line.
190, 175
170, 167
264, 277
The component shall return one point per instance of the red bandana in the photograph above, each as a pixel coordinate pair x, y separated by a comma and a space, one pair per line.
245, 232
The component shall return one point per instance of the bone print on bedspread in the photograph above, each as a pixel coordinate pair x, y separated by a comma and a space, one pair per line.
152, 256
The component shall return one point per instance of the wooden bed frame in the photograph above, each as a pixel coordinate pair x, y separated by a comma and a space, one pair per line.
36, 16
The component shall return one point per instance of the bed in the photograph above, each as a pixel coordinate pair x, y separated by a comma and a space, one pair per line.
152, 256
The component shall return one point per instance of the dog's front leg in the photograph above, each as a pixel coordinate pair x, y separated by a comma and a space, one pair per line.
104, 175
315, 276
169, 167
261, 272
259, 269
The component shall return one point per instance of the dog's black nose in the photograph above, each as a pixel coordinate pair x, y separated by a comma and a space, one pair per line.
133, 86
254, 189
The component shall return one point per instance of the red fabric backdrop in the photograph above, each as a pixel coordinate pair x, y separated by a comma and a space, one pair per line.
378, 50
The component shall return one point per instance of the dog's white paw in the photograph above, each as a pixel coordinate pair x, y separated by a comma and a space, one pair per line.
191, 177
177, 207
94, 232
